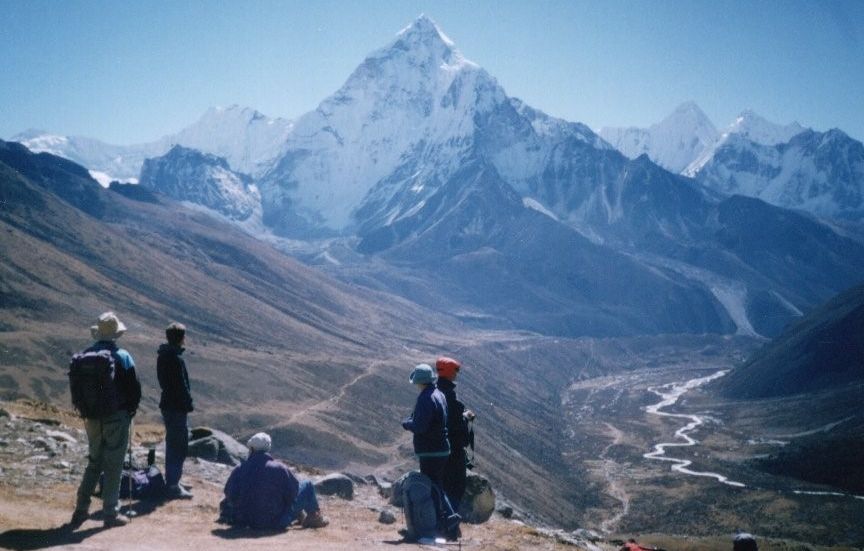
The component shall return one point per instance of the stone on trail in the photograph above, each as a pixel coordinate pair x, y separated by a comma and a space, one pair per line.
335, 484
387, 517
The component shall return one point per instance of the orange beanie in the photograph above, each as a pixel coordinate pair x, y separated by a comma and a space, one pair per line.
447, 367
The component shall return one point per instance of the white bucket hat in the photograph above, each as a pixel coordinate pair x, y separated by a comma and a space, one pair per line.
259, 442
108, 327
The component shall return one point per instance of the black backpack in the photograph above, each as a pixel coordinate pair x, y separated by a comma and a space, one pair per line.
92, 383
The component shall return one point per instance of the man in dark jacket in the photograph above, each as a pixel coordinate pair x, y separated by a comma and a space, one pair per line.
108, 435
428, 422
454, 474
176, 404
263, 493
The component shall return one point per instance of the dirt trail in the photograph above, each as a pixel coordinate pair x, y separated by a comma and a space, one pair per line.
610, 471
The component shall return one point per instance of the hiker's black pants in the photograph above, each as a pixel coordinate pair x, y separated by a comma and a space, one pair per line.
454, 477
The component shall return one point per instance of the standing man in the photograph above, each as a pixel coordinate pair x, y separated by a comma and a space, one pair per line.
106, 391
176, 404
454, 476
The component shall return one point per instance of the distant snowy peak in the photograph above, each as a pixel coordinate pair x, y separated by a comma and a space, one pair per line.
757, 129
747, 126
673, 143
818, 172
207, 180
243, 136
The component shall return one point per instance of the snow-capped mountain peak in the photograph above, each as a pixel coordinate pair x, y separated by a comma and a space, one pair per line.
673, 143
756, 128
424, 29
416, 91
747, 126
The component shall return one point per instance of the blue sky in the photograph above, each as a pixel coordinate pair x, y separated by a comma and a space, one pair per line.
127, 72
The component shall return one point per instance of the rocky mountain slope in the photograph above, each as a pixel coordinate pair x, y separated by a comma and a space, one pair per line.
818, 172
189, 175
821, 360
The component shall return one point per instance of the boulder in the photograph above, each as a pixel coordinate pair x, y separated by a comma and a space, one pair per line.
216, 446
387, 516
335, 484
478, 504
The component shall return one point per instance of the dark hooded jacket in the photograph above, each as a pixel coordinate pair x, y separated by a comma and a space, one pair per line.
173, 378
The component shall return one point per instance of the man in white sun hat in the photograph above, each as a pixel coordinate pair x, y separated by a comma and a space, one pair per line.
262, 493
106, 392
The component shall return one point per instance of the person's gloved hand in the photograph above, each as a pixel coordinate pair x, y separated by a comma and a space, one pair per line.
406, 424
131, 412
469, 415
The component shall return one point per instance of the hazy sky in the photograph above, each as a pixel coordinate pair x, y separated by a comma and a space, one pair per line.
127, 72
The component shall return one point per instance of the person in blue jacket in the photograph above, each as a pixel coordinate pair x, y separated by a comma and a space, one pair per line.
428, 422
263, 493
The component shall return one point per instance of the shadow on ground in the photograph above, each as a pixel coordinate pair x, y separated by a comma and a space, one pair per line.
41, 538
233, 533
48, 537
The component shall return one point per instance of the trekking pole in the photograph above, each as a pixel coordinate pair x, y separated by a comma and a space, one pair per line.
129, 512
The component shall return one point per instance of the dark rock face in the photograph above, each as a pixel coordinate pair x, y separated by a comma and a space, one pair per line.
189, 175
213, 445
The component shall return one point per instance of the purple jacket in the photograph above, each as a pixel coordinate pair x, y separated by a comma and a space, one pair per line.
261, 491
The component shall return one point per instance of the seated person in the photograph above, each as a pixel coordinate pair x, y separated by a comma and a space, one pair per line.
263, 493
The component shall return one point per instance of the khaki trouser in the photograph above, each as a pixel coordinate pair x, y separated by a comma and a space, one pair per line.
108, 438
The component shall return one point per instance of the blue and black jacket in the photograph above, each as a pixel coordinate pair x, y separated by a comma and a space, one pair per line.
429, 424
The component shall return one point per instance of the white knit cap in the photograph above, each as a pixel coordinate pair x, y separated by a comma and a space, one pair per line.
259, 442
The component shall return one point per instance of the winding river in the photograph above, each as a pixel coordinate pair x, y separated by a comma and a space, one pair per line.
670, 395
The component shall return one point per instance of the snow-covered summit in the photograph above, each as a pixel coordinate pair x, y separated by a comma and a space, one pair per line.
415, 95
247, 139
673, 143
758, 129
407, 117
746, 126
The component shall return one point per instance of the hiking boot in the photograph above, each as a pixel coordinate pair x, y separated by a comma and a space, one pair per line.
185, 486
78, 518
315, 520
301, 517
116, 520
177, 492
